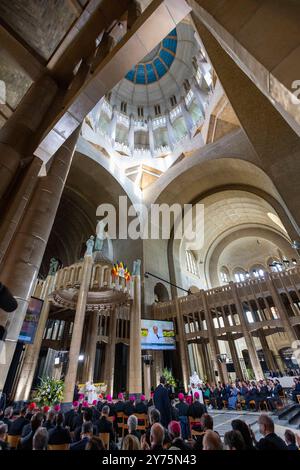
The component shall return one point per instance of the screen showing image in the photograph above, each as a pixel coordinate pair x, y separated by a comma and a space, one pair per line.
31, 320
157, 334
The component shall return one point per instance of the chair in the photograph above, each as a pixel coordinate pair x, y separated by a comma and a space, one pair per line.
225, 403
263, 403
298, 398
120, 421
142, 417
192, 422
58, 446
125, 425
252, 403
13, 441
283, 397
104, 436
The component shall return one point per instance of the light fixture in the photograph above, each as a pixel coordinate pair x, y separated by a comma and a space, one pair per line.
56, 361
80, 357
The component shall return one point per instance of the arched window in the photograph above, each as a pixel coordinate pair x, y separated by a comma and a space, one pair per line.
191, 264
224, 275
173, 100
257, 271
275, 265
123, 107
157, 110
240, 275
186, 86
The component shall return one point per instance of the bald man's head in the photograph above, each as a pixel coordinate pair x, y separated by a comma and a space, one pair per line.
157, 434
212, 441
266, 425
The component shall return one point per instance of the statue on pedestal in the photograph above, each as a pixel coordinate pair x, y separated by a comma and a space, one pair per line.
53, 267
136, 269
100, 236
90, 246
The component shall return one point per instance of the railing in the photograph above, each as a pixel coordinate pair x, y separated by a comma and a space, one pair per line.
264, 301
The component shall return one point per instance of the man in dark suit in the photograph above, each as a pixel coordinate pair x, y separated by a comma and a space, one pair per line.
18, 424
104, 425
120, 404
270, 441
87, 417
129, 408
162, 402
86, 434
59, 434
26, 442
7, 417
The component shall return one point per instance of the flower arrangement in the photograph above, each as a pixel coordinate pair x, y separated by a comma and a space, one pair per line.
50, 391
169, 377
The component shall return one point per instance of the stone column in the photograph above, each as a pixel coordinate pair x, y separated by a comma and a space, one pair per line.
182, 345
15, 210
158, 366
235, 357
18, 135
270, 361
92, 342
187, 117
131, 134
110, 353
151, 136
24, 256
206, 363
212, 339
33, 350
135, 360
247, 335
74, 352
281, 310
170, 129
147, 380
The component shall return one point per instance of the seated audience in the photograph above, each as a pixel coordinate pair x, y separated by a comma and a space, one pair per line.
132, 424
290, 440
40, 439
18, 424
141, 406
241, 426
212, 441
233, 440
130, 442
177, 443
59, 434
3, 436
104, 425
270, 441
26, 442
85, 436
8, 413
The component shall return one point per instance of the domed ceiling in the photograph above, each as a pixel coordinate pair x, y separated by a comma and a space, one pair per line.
156, 63
162, 72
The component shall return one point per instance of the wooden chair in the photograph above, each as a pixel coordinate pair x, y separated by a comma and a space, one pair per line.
263, 404
298, 398
144, 418
104, 436
125, 425
225, 403
252, 403
58, 446
192, 422
283, 397
13, 441
120, 421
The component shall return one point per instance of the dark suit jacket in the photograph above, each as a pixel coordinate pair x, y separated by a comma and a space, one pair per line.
271, 442
26, 429
141, 408
17, 426
8, 422
182, 408
26, 442
59, 435
196, 410
103, 425
80, 445
162, 403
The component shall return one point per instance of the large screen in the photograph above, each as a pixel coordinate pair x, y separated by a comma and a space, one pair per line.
31, 320
157, 334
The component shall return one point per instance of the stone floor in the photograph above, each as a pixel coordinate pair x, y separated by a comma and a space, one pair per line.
223, 418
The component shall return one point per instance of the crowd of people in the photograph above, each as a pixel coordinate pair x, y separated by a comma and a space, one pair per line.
176, 423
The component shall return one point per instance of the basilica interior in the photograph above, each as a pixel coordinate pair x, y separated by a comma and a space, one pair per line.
159, 102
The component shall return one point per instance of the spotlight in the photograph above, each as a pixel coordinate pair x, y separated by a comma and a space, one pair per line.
80, 357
